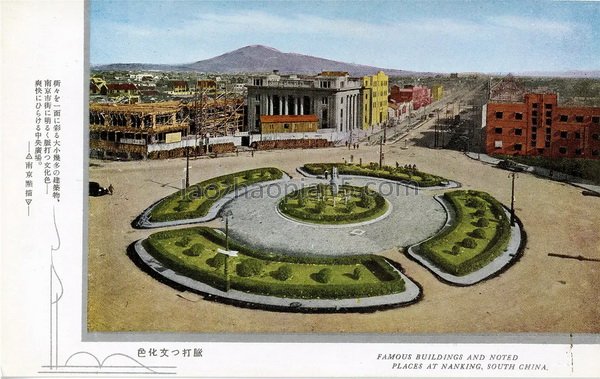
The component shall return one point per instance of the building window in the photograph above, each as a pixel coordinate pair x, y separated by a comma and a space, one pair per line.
534, 105
595, 152
325, 84
548, 121
563, 134
324, 101
562, 150
578, 118
341, 100
532, 143
577, 151
534, 129
499, 115
533, 137
518, 116
498, 144
518, 132
548, 113
498, 130
596, 119
577, 135
257, 97
564, 118
518, 147
548, 130
286, 126
596, 136
534, 113
534, 121
547, 144
341, 113
548, 106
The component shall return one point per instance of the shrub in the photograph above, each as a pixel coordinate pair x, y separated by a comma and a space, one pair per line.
301, 200
183, 241
283, 273
320, 206
266, 175
249, 267
478, 233
195, 250
248, 175
217, 261
366, 200
480, 213
324, 276
357, 273
455, 249
483, 222
350, 206
475, 202
469, 243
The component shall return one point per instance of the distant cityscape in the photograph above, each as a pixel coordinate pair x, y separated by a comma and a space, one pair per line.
155, 114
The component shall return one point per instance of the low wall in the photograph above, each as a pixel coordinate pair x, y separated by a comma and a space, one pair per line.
291, 144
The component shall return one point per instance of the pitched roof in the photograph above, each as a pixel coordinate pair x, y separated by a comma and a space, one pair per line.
289, 118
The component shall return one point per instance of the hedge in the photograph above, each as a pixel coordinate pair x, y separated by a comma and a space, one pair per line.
495, 247
397, 174
198, 190
390, 279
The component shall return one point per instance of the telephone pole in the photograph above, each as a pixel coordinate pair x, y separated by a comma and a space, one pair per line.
380, 152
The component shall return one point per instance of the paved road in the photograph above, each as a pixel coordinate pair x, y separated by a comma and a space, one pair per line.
414, 217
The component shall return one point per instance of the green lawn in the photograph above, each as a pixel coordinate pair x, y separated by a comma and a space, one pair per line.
308, 204
449, 250
376, 277
372, 169
198, 198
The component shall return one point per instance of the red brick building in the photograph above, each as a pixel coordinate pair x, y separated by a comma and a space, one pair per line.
537, 125
417, 95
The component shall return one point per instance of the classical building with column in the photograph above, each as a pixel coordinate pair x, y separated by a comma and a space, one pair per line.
332, 96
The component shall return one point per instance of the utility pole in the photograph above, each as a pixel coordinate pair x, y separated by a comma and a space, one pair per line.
187, 166
380, 152
512, 199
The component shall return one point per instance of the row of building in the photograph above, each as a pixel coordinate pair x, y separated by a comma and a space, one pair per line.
336, 100
328, 106
533, 123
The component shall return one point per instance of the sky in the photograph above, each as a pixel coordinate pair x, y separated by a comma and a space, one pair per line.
426, 36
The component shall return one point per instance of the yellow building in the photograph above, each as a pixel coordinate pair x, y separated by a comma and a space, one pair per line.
375, 99
437, 92
288, 123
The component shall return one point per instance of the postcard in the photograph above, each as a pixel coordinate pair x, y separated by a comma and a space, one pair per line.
300, 189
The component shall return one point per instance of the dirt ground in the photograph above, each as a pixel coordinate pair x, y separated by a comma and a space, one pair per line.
540, 293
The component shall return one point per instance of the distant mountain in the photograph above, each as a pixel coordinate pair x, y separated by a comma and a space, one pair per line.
562, 74
258, 58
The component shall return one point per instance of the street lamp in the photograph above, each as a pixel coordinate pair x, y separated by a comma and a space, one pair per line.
512, 198
228, 253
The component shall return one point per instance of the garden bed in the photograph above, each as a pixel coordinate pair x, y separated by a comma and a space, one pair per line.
400, 174
316, 204
192, 252
478, 235
195, 201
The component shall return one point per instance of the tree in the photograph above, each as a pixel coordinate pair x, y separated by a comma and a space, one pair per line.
283, 273
324, 276
195, 250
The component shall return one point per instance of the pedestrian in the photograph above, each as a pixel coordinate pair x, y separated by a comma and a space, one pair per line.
110, 189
